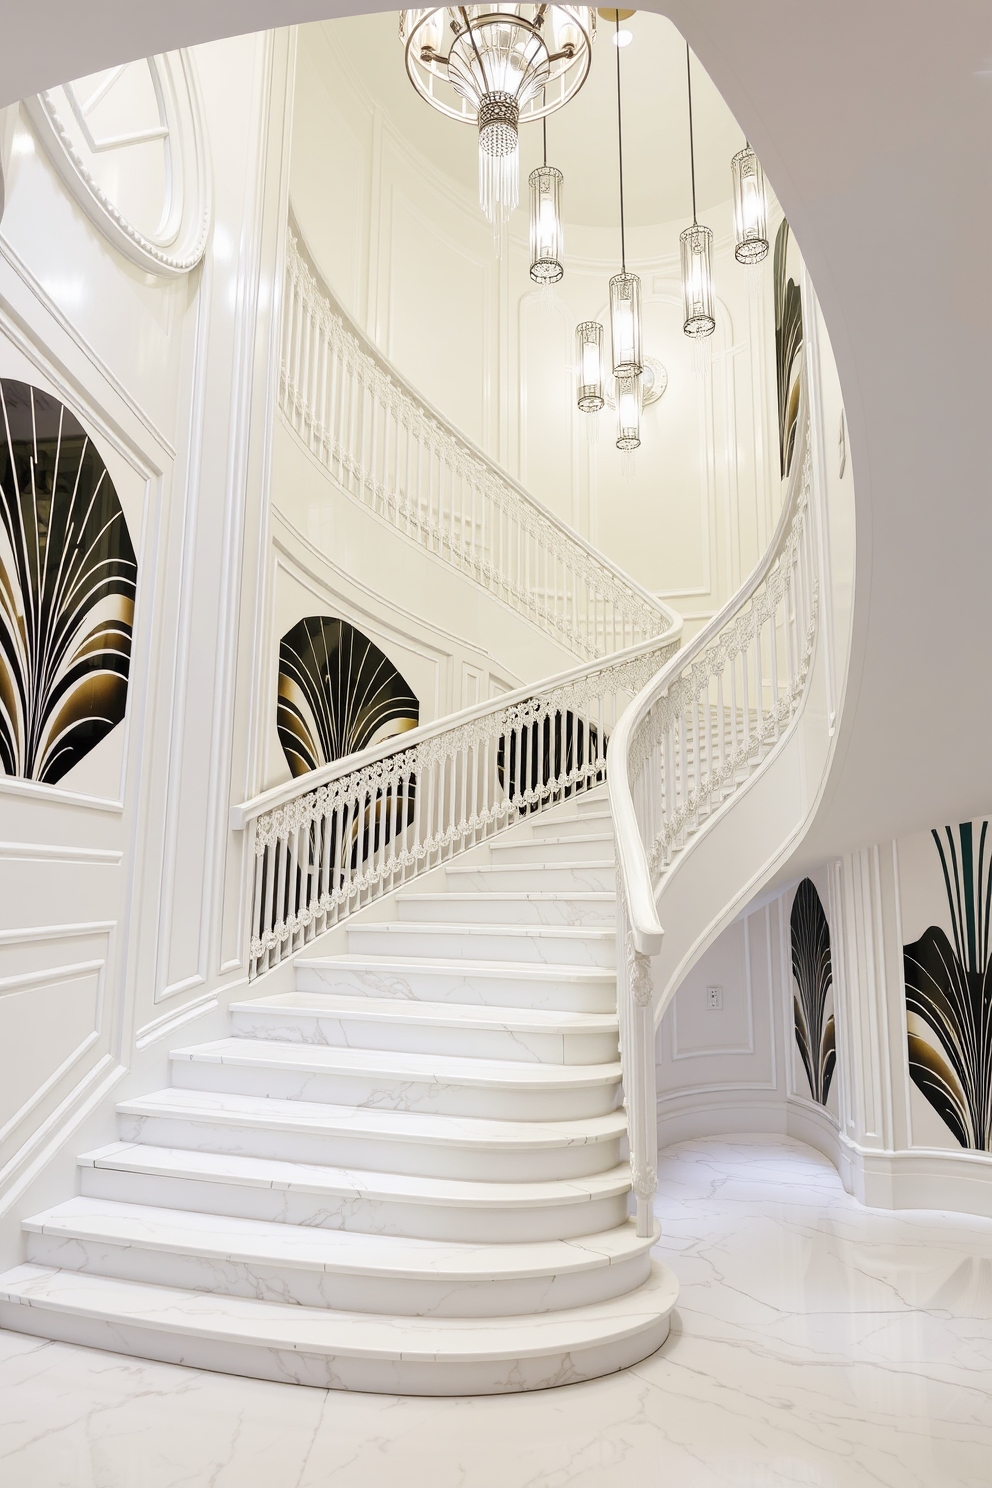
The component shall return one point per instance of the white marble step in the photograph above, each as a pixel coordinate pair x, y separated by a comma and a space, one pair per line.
515, 848
341, 1350
389, 1079
383, 1274
331, 1198
517, 907
531, 1034
366, 1137
593, 802
461, 982
497, 878
548, 825
550, 945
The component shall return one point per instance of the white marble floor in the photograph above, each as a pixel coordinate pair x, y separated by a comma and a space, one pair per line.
816, 1344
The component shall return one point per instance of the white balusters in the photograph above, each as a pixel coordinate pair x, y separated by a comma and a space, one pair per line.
341, 836
695, 734
383, 444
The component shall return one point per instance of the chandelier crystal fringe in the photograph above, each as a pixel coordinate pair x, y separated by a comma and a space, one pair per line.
504, 67
750, 207
696, 244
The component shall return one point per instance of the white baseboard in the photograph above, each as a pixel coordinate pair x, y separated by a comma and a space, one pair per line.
727, 1113
927, 1178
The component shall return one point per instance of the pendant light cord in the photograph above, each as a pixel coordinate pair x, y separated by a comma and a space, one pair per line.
692, 150
623, 244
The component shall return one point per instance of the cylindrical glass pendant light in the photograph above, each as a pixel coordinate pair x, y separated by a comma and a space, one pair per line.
546, 237
697, 250
750, 207
589, 366
625, 324
625, 289
628, 412
697, 280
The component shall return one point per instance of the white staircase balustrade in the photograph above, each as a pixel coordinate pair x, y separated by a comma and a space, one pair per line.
387, 447
690, 743
337, 838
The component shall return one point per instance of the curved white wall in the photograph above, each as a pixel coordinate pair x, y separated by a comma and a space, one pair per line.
406, 249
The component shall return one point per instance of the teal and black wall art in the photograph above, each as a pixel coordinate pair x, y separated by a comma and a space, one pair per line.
949, 992
811, 968
338, 694
67, 587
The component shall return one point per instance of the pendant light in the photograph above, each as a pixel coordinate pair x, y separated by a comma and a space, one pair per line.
546, 236
625, 312
629, 397
697, 251
589, 366
750, 207
504, 66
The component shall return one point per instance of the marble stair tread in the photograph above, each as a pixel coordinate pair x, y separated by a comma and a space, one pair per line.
484, 1016
303, 1330
580, 865
354, 1183
512, 907
322, 1119
438, 1069
455, 966
508, 844
595, 934
227, 1238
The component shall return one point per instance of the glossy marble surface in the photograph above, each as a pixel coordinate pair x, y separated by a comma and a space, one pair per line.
816, 1343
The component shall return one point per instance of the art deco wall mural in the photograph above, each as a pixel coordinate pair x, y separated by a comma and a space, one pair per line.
338, 694
949, 993
811, 968
67, 587
788, 343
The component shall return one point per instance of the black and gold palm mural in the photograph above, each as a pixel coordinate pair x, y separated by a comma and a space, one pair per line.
338, 694
811, 968
788, 348
949, 994
67, 587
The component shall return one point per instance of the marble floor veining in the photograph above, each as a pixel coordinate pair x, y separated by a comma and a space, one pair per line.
817, 1344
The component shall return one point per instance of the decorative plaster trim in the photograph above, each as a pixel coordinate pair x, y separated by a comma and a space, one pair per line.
148, 253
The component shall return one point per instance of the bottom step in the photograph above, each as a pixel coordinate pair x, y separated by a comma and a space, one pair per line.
341, 1350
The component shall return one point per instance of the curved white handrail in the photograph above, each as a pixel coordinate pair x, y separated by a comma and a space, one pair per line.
332, 840
692, 737
387, 446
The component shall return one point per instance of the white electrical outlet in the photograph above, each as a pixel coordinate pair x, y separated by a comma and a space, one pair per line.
714, 999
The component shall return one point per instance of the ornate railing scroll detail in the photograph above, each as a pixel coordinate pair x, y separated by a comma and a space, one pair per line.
386, 447
332, 841
691, 739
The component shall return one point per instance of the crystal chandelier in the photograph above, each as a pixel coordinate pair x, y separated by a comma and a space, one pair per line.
750, 207
503, 67
697, 252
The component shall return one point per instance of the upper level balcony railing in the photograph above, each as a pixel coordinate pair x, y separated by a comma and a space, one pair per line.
388, 448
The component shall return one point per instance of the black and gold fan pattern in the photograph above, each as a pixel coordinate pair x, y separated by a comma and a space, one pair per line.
67, 588
338, 694
788, 349
949, 993
813, 974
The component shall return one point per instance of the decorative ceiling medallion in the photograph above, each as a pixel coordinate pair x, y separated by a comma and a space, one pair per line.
128, 143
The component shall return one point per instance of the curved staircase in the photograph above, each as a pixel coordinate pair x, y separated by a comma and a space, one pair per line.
407, 1175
